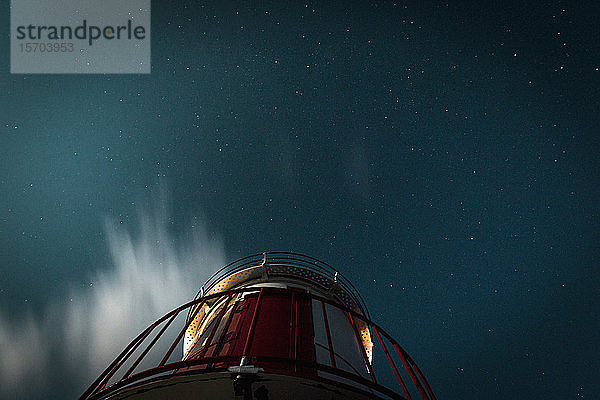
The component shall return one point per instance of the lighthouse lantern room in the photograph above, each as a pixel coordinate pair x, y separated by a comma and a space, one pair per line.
268, 326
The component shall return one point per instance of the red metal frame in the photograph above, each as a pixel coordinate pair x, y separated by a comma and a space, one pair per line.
99, 389
295, 335
291, 335
252, 324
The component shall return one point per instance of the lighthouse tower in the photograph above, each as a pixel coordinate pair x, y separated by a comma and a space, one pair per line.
268, 326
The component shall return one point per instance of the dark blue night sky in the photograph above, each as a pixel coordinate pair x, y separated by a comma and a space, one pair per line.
444, 157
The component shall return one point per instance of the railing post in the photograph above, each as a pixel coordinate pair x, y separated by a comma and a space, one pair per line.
112, 369
427, 387
158, 335
187, 324
392, 364
411, 372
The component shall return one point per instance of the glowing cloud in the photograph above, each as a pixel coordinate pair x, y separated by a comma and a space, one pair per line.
152, 274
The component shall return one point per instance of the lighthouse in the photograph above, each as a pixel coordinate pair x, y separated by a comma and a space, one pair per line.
273, 326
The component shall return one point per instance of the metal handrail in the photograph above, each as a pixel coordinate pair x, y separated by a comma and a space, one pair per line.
99, 388
291, 259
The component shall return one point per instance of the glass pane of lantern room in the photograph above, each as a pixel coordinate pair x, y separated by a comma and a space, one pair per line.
323, 355
348, 355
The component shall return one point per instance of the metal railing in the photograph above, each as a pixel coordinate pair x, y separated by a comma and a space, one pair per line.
296, 265
125, 371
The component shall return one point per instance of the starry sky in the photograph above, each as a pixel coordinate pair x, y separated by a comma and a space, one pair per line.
443, 156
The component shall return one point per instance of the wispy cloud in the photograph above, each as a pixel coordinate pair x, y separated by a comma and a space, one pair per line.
25, 348
152, 273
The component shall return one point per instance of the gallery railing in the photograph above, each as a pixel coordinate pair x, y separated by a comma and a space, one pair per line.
126, 371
